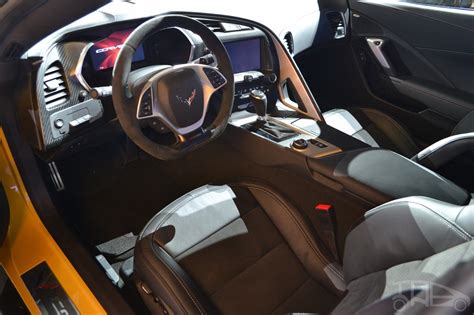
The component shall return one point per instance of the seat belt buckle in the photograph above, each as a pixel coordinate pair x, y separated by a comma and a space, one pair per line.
327, 218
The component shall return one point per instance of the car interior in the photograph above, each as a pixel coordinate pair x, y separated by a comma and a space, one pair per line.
197, 162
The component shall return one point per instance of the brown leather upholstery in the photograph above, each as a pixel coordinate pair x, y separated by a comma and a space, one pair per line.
239, 249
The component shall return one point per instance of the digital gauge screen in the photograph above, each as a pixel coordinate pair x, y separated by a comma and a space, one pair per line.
245, 55
104, 53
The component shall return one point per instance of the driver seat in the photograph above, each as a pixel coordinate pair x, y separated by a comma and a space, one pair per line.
243, 249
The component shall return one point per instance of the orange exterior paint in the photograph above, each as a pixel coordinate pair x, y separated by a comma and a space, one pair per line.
28, 243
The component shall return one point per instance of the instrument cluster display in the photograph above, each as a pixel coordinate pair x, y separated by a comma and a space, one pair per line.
104, 52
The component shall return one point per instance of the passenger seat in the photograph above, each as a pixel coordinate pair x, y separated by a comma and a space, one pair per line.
380, 130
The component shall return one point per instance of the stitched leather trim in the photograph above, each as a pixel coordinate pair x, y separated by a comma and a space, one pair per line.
450, 224
162, 281
182, 282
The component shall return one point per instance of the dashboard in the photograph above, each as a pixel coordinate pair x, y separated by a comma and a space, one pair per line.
171, 46
72, 82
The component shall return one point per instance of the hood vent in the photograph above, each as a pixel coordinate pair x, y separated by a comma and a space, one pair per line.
289, 43
54, 86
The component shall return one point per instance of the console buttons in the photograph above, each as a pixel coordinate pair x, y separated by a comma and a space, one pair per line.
207, 60
318, 144
248, 78
300, 144
59, 123
145, 105
80, 121
217, 80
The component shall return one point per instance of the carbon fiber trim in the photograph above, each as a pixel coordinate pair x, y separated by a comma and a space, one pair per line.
67, 54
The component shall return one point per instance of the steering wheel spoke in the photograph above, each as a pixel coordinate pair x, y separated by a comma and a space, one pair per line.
209, 60
212, 78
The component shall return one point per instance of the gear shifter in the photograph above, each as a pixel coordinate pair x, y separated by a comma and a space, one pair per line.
264, 127
259, 102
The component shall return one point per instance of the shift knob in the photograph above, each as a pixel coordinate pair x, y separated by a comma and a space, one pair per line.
259, 102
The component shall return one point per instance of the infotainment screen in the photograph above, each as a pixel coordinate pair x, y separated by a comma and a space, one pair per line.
245, 55
105, 52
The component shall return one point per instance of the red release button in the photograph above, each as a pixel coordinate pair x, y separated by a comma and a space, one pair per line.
323, 207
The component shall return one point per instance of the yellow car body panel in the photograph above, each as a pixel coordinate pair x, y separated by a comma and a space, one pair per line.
28, 243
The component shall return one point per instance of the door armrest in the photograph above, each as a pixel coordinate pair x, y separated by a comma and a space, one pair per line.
445, 150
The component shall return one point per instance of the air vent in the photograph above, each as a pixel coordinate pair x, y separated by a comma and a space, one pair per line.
214, 26
54, 86
289, 43
337, 23
222, 27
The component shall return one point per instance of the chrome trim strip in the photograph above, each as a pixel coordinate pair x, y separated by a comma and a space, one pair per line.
376, 46
289, 71
80, 65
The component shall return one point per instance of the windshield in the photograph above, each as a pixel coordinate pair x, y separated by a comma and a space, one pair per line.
274, 14
280, 17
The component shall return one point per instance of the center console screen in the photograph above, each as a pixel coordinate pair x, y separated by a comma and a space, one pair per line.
104, 52
245, 55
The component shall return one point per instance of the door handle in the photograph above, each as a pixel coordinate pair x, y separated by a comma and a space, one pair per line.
376, 46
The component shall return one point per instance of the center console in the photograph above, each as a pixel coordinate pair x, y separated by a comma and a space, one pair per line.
317, 151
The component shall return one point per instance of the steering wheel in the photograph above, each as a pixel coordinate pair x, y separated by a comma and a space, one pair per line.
175, 96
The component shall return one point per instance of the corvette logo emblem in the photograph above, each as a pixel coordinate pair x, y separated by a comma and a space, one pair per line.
188, 101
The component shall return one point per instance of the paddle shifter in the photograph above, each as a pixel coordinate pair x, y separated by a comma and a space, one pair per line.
259, 102
267, 128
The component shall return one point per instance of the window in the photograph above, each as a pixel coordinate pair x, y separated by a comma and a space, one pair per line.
446, 3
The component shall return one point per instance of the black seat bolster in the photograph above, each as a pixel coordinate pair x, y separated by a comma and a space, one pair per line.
300, 237
445, 150
168, 281
405, 230
466, 125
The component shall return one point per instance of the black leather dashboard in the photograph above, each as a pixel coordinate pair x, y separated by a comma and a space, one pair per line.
62, 108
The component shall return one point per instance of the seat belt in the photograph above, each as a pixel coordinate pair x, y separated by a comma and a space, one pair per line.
327, 218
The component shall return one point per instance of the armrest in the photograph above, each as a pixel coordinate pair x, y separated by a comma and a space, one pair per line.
382, 175
443, 151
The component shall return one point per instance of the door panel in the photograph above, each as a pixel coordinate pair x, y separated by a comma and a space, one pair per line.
430, 52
